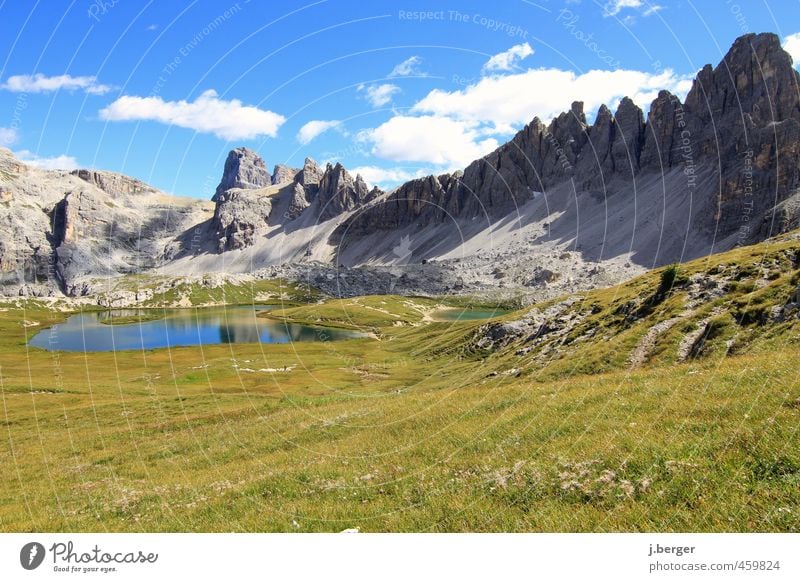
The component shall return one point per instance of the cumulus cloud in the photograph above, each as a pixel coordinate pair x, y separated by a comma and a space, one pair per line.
40, 83
408, 68
508, 60
515, 99
8, 136
388, 176
61, 162
379, 95
229, 120
451, 128
791, 44
433, 139
314, 128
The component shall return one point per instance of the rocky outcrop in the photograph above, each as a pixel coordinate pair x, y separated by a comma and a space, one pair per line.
240, 216
244, 169
745, 113
339, 192
114, 184
298, 203
537, 325
310, 176
306, 188
283, 174
628, 139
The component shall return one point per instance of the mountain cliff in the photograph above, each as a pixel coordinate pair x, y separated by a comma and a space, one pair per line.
735, 139
563, 205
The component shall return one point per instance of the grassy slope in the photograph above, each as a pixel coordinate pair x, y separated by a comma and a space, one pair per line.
420, 430
370, 312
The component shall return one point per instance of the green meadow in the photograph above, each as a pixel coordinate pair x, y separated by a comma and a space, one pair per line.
418, 428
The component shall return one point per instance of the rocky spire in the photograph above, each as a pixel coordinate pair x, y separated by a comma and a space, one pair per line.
662, 122
338, 191
244, 168
626, 147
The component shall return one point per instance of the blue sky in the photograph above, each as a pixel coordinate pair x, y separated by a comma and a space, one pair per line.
163, 90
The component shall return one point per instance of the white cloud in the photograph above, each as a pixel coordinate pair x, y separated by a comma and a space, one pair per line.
314, 128
508, 60
8, 136
40, 83
408, 68
229, 120
614, 7
791, 44
432, 139
453, 128
515, 99
61, 162
379, 95
388, 176
652, 9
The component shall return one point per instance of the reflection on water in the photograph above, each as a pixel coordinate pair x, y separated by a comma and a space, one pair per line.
178, 327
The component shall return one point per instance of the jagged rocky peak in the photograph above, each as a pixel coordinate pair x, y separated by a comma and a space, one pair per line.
657, 152
334, 189
756, 77
241, 211
306, 187
339, 191
311, 173
626, 147
244, 169
283, 174
614, 145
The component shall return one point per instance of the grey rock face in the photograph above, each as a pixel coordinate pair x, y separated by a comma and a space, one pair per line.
60, 228
298, 203
746, 113
628, 139
242, 209
662, 126
113, 184
243, 169
339, 192
305, 189
240, 216
422, 201
282, 174
310, 176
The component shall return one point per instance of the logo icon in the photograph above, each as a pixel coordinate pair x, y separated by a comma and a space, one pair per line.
32, 555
